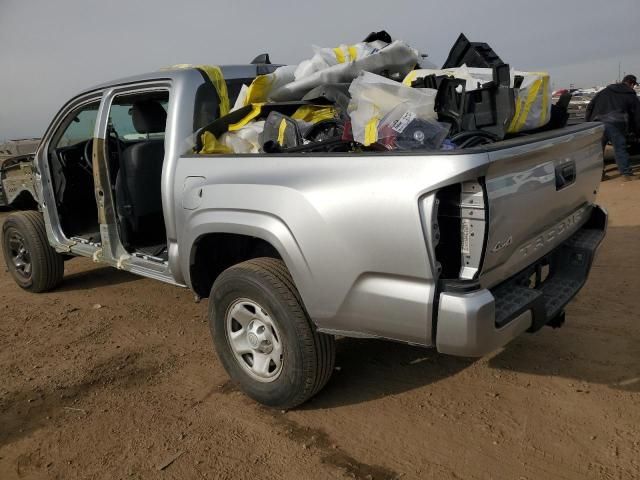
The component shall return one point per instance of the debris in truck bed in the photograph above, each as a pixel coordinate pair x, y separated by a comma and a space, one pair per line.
532, 95
393, 116
372, 95
471, 54
486, 107
397, 58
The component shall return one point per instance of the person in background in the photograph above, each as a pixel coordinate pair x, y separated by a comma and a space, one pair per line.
618, 107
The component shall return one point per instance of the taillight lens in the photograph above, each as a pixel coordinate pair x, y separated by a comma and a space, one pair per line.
472, 229
461, 213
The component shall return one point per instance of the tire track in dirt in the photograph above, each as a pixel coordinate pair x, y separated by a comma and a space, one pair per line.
143, 388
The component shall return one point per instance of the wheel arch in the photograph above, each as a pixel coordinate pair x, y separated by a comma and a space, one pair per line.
25, 200
220, 239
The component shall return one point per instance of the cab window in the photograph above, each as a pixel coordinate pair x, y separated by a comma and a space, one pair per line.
80, 127
121, 121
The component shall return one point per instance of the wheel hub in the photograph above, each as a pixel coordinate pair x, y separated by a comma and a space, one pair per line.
20, 256
254, 340
260, 337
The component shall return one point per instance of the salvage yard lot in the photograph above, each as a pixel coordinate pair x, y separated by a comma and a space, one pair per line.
114, 376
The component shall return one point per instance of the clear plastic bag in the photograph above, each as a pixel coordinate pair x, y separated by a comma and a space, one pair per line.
533, 101
263, 85
328, 57
395, 58
245, 139
385, 112
403, 129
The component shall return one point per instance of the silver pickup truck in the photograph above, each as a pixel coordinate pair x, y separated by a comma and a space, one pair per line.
461, 250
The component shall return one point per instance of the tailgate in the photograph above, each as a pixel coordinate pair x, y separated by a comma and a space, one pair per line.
539, 193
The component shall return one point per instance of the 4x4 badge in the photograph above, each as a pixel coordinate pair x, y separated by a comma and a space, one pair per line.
500, 245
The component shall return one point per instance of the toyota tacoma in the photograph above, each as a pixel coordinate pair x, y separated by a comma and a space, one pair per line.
461, 250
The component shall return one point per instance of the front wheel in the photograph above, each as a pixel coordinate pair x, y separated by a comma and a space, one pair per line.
264, 337
31, 261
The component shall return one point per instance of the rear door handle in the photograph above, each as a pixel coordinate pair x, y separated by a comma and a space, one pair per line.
565, 174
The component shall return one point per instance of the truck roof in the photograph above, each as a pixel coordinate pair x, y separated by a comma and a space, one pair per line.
229, 72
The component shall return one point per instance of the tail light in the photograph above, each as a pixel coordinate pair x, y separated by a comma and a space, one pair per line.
460, 230
473, 230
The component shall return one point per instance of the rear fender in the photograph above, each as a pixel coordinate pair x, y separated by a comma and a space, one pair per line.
250, 223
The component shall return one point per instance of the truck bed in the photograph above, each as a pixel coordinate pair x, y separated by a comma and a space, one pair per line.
357, 229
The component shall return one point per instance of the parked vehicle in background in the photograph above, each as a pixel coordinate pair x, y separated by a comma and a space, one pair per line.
578, 107
16, 148
461, 250
16, 173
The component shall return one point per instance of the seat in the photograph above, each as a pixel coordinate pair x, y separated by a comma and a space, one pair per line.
138, 182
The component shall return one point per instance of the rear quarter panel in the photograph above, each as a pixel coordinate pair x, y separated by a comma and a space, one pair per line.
348, 227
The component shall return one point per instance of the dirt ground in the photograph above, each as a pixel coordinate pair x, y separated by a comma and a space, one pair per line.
113, 376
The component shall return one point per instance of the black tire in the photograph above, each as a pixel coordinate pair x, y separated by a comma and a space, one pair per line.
308, 356
46, 265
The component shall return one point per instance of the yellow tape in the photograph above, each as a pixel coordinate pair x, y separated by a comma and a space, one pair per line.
217, 79
516, 116
353, 53
210, 144
314, 113
281, 130
411, 76
531, 98
518, 123
215, 75
545, 100
371, 131
255, 111
339, 54
258, 90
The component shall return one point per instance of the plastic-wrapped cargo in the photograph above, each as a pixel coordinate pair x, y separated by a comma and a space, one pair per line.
328, 57
376, 53
402, 129
263, 85
533, 101
396, 58
474, 77
336, 96
532, 92
242, 131
243, 140
393, 116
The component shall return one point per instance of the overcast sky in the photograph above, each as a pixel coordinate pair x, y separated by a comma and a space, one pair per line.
49, 50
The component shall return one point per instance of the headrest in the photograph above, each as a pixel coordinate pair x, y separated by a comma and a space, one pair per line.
148, 116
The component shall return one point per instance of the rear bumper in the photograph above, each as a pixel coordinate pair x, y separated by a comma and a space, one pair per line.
475, 323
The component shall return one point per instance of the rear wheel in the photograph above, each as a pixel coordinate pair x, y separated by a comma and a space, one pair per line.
264, 337
32, 262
